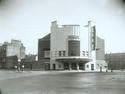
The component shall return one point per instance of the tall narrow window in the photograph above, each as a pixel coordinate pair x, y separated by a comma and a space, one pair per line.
64, 53
73, 48
83, 52
87, 53
47, 54
59, 53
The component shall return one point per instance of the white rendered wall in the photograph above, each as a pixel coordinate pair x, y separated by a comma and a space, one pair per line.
59, 42
59, 39
16, 49
83, 40
103, 64
93, 57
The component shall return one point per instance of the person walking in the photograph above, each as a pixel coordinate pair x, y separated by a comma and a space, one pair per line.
15, 67
22, 67
111, 69
101, 69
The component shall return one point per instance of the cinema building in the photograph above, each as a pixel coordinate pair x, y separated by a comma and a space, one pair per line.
63, 49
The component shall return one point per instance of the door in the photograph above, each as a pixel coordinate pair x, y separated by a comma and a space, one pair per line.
66, 66
54, 66
92, 66
81, 66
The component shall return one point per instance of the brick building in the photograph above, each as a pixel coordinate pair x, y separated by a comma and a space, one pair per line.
29, 61
11, 52
44, 52
115, 60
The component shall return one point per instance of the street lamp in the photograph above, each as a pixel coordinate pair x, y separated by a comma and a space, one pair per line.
19, 58
19, 61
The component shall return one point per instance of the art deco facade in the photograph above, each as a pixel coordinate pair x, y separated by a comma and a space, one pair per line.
62, 49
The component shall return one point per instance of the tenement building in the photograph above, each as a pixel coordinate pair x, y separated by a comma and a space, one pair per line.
64, 49
10, 53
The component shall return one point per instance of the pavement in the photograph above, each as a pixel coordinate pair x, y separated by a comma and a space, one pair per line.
61, 82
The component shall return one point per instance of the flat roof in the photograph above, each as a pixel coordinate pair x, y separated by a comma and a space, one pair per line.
71, 25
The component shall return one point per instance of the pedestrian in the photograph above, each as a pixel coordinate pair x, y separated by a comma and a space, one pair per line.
100, 69
106, 70
111, 70
15, 67
22, 67
18, 68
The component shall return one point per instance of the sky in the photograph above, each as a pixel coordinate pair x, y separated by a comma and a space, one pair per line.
29, 20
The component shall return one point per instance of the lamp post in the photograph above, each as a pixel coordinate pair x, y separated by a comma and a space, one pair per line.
19, 61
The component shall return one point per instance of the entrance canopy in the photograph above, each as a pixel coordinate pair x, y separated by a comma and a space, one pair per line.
73, 59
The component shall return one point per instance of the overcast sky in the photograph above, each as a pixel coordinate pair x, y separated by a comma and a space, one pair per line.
29, 20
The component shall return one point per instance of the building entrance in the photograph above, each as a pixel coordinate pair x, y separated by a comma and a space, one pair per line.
47, 66
74, 67
66, 66
54, 66
92, 66
81, 66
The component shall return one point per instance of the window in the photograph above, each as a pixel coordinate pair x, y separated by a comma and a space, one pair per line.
59, 53
59, 66
87, 53
105, 66
83, 53
64, 53
73, 53
47, 54
73, 48
87, 66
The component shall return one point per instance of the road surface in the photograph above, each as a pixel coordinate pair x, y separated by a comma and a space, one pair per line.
38, 82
